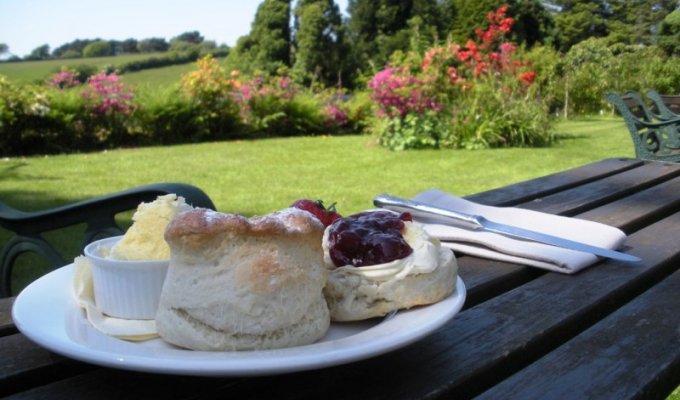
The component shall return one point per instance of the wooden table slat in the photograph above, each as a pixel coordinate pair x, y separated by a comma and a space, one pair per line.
610, 188
528, 190
640, 209
618, 358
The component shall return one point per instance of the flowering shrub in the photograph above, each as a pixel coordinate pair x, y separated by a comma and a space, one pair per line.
398, 93
212, 92
64, 79
335, 116
460, 96
107, 95
275, 105
108, 102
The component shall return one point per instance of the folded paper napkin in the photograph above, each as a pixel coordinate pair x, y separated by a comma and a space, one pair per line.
499, 247
83, 291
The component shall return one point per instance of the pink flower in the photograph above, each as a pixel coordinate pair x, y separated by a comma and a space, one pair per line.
107, 95
64, 79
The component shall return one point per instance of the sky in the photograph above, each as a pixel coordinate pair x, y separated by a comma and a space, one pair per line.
27, 24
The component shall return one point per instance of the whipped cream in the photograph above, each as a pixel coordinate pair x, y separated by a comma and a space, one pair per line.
423, 259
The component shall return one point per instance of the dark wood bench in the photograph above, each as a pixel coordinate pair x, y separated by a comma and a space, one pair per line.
655, 137
98, 214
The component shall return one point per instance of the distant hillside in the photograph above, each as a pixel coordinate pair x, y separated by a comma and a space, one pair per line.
37, 71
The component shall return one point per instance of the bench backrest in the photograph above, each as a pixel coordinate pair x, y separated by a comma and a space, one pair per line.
652, 139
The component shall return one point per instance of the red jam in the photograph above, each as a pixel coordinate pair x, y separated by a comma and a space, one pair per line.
368, 238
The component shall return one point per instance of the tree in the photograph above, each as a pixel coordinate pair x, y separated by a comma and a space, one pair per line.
533, 23
72, 49
40, 53
193, 37
99, 48
636, 21
669, 34
579, 22
4, 48
152, 45
268, 45
376, 29
470, 15
318, 42
129, 46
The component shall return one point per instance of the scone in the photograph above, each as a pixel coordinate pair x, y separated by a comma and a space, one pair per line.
243, 284
382, 261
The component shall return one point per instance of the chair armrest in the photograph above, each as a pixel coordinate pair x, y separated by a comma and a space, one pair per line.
98, 213
28, 223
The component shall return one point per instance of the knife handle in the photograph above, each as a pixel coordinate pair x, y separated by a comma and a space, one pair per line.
428, 212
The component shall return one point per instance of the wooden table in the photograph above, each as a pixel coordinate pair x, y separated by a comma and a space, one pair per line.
609, 332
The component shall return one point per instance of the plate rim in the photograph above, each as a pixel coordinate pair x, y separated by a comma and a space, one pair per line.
234, 364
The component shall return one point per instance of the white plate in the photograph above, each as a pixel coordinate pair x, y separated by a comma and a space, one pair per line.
47, 314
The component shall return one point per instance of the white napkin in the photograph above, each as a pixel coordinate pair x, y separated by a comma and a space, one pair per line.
499, 247
83, 291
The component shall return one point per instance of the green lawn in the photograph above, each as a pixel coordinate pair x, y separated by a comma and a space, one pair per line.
32, 71
158, 77
255, 177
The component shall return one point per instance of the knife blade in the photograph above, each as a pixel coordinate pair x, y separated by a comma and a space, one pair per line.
478, 222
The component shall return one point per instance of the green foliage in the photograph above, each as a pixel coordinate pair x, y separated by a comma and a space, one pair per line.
669, 34
152, 45
168, 116
84, 71
415, 131
376, 29
39, 53
99, 48
267, 46
170, 58
586, 76
319, 43
578, 23
593, 67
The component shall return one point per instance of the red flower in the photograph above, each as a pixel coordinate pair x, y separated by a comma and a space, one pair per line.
528, 77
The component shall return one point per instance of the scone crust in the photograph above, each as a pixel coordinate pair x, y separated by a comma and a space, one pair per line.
354, 297
199, 227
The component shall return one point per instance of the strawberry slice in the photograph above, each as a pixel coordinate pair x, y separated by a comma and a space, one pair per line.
317, 208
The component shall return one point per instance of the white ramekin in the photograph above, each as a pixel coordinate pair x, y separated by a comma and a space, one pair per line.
125, 289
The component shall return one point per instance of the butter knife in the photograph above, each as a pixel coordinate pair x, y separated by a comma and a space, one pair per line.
478, 222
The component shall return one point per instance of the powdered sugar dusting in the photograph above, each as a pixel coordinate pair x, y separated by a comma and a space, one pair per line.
211, 216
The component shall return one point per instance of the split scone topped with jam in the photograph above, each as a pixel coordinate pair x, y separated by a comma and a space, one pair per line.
382, 261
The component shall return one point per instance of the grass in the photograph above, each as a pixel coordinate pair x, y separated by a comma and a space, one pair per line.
255, 177
158, 77
259, 176
33, 71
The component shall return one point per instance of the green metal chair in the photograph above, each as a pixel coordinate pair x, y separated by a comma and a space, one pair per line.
653, 139
661, 103
97, 213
